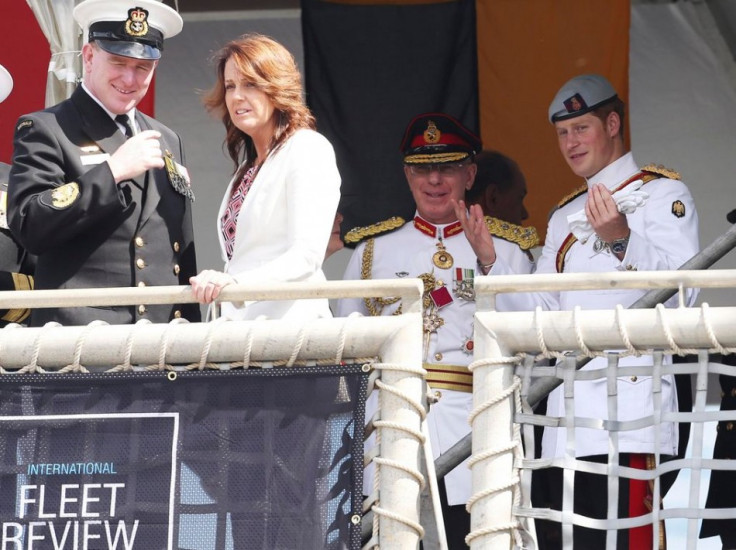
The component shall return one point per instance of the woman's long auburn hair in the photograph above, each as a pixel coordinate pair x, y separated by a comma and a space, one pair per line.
272, 69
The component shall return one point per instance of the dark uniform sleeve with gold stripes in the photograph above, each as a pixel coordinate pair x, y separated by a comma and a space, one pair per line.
14, 281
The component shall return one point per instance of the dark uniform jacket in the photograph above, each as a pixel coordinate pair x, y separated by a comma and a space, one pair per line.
86, 231
16, 266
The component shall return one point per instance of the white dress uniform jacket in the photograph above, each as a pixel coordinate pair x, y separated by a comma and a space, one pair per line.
407, 252
284, 225
664, 235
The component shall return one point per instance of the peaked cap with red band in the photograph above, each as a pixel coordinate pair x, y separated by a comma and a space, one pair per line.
436, 138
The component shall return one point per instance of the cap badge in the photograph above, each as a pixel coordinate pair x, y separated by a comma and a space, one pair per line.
432, 134
136, 24
575, 103
678, 209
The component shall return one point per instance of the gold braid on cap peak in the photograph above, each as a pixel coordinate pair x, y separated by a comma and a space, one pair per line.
357, 234
662, 171
433, 158
525, 237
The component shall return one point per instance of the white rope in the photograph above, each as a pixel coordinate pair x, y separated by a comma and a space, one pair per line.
297, 346
495, 400
208, 342
413, 472
126, 364
164, 346
341, 342
579, 331
489, 531
623, 332
76, 365
377, 511
33, 365
379, 425
666, 328
705, 310
398, 393
539, 332
248, 349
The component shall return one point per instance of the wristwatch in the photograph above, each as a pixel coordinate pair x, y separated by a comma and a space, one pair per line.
618, 246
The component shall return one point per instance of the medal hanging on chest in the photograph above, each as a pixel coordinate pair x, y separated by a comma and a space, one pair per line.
442, 258
179, 181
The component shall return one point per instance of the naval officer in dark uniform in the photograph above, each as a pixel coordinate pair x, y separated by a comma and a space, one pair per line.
98, 190
16, 266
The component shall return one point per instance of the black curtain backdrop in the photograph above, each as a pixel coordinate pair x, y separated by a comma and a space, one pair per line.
369, 69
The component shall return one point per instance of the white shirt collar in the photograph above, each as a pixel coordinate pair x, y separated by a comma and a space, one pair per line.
131, 113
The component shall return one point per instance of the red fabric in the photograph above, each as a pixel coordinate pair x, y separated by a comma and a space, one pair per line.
21, 32
230, 217
640, 538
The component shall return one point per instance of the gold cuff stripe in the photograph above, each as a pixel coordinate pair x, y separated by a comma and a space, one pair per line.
18, 315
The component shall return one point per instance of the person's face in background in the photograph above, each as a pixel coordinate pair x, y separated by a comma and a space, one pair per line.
250, 109
507, 204
335, 243
119, 82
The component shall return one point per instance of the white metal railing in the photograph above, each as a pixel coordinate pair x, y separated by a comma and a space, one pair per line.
501, 336
397, 341
393, 344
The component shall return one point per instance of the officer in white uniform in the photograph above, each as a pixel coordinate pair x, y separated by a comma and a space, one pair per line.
623, 218
438, 164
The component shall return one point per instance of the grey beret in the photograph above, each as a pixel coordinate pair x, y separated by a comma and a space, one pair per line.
580, 95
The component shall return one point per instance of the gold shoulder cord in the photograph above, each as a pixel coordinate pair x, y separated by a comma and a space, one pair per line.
375, 305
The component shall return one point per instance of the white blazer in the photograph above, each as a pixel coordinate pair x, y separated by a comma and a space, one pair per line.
284, 225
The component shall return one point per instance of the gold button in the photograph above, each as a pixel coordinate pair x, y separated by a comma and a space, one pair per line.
141, 309
438, 357
729, 426
437, 394
141, 284
140, 263
176, 246
634, 379
733, 392
139, 242
176, 269
177, 314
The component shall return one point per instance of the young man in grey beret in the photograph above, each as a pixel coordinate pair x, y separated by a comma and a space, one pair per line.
623, 218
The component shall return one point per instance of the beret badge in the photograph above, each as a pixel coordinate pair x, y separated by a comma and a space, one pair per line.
575, 103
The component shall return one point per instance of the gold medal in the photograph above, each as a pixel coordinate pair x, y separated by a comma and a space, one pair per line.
442, 258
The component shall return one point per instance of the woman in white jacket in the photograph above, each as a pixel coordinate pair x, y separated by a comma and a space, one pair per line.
275, 219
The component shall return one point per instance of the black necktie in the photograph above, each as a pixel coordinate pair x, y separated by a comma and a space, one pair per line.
124, 120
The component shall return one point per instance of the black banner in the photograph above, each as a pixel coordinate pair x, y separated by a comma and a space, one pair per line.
369, 70
257, 458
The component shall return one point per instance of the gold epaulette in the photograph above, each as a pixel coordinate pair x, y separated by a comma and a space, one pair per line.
357, 234
574, 195
525, 237
662, 171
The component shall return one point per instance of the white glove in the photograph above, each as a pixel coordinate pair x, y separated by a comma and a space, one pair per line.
627, 200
